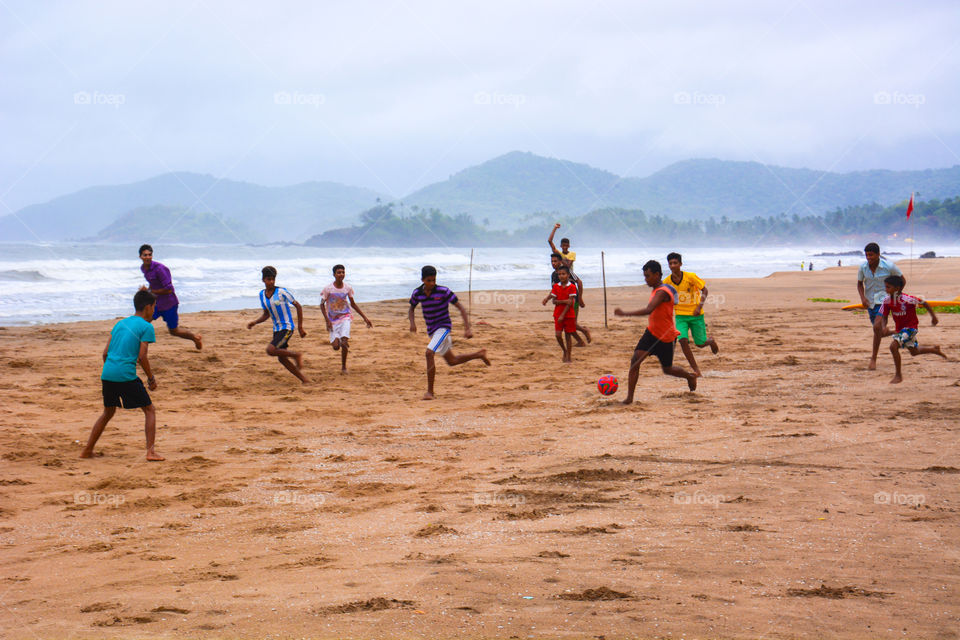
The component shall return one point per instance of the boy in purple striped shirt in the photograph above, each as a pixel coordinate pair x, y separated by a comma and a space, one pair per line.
435, 302
161, 285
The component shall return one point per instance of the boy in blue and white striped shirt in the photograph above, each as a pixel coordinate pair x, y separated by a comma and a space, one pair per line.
276, 302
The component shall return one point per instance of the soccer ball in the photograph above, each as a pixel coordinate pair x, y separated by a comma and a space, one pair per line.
608, 384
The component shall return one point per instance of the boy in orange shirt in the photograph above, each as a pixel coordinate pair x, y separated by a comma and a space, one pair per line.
661, 334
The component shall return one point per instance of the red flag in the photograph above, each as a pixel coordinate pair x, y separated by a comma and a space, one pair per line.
910, 207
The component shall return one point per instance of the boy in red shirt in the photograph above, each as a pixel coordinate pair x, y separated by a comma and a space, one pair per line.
904, 310
564, 294
661, 334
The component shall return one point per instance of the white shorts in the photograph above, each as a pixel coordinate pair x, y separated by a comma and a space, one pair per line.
340, 330
440, 341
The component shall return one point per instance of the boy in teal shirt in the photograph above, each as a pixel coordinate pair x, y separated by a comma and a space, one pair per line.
121, 387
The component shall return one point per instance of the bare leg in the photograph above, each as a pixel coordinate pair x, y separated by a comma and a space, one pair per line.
294, 367
150, 430
916, 351
877, 335
97, 431
585, 331
688, 352
431, 375
563, 348
568, 351
344, 348
680, 372
576, 336
710, 342
180, 332
454, 360
895, 351
635, 361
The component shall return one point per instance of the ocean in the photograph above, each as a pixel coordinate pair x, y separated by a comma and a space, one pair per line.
68, 282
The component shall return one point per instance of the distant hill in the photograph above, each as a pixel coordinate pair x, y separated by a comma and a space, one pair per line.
272, 213
175, 224
505, 191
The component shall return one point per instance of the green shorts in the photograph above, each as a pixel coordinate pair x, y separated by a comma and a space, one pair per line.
692, 324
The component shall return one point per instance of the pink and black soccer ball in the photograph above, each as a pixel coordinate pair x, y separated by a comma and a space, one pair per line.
608, 384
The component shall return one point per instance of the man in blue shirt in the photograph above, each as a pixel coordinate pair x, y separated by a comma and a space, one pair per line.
121, 387
872, 290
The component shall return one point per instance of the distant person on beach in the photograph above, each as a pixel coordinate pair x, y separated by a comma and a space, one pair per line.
435, 302
903, 307
839, 263
691, 294
276, 302
871, 288
660, 335
335, 302
801, 265
568, 257
161, 285
119, 383
810, 267
556, 261
564, 296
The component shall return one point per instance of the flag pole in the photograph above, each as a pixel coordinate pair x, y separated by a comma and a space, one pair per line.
470, 288
603, 270
911, 235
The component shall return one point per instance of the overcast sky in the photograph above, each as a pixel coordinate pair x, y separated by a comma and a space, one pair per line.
396, 95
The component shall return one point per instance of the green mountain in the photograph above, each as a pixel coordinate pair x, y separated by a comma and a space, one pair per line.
933, 221
505, 191
175, 224
273, 213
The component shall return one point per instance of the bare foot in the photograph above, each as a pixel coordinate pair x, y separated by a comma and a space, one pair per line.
586, 334
344, 371
714, 348
873, 364
692, 383
940, 353
580, 344
306, 381
86, 454
427, 396
628, 400
198, 343
896, 380
483, 356
153, 456
697, 373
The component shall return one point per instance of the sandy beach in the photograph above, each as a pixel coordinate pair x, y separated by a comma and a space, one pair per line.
795, 494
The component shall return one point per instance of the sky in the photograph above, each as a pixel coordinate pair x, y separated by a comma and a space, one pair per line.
395, 95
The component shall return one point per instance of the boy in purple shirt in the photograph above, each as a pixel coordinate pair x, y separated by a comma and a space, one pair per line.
435, 302
161, 285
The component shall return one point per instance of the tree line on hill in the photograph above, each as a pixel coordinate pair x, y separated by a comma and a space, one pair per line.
383, 226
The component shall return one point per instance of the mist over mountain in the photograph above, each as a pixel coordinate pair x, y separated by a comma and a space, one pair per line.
508, 192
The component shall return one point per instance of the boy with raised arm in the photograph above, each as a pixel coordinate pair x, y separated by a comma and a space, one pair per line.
161, 285
564, 295
276, 302
556, 261
435, 302
335, 302
569, 257
660, 334
127, 346
903, 307
691, 294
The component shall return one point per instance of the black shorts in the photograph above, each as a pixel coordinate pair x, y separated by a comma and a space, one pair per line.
655, 346
281, 338
132, 394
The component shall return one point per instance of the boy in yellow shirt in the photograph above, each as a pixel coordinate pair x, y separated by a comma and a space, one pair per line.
692, 292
